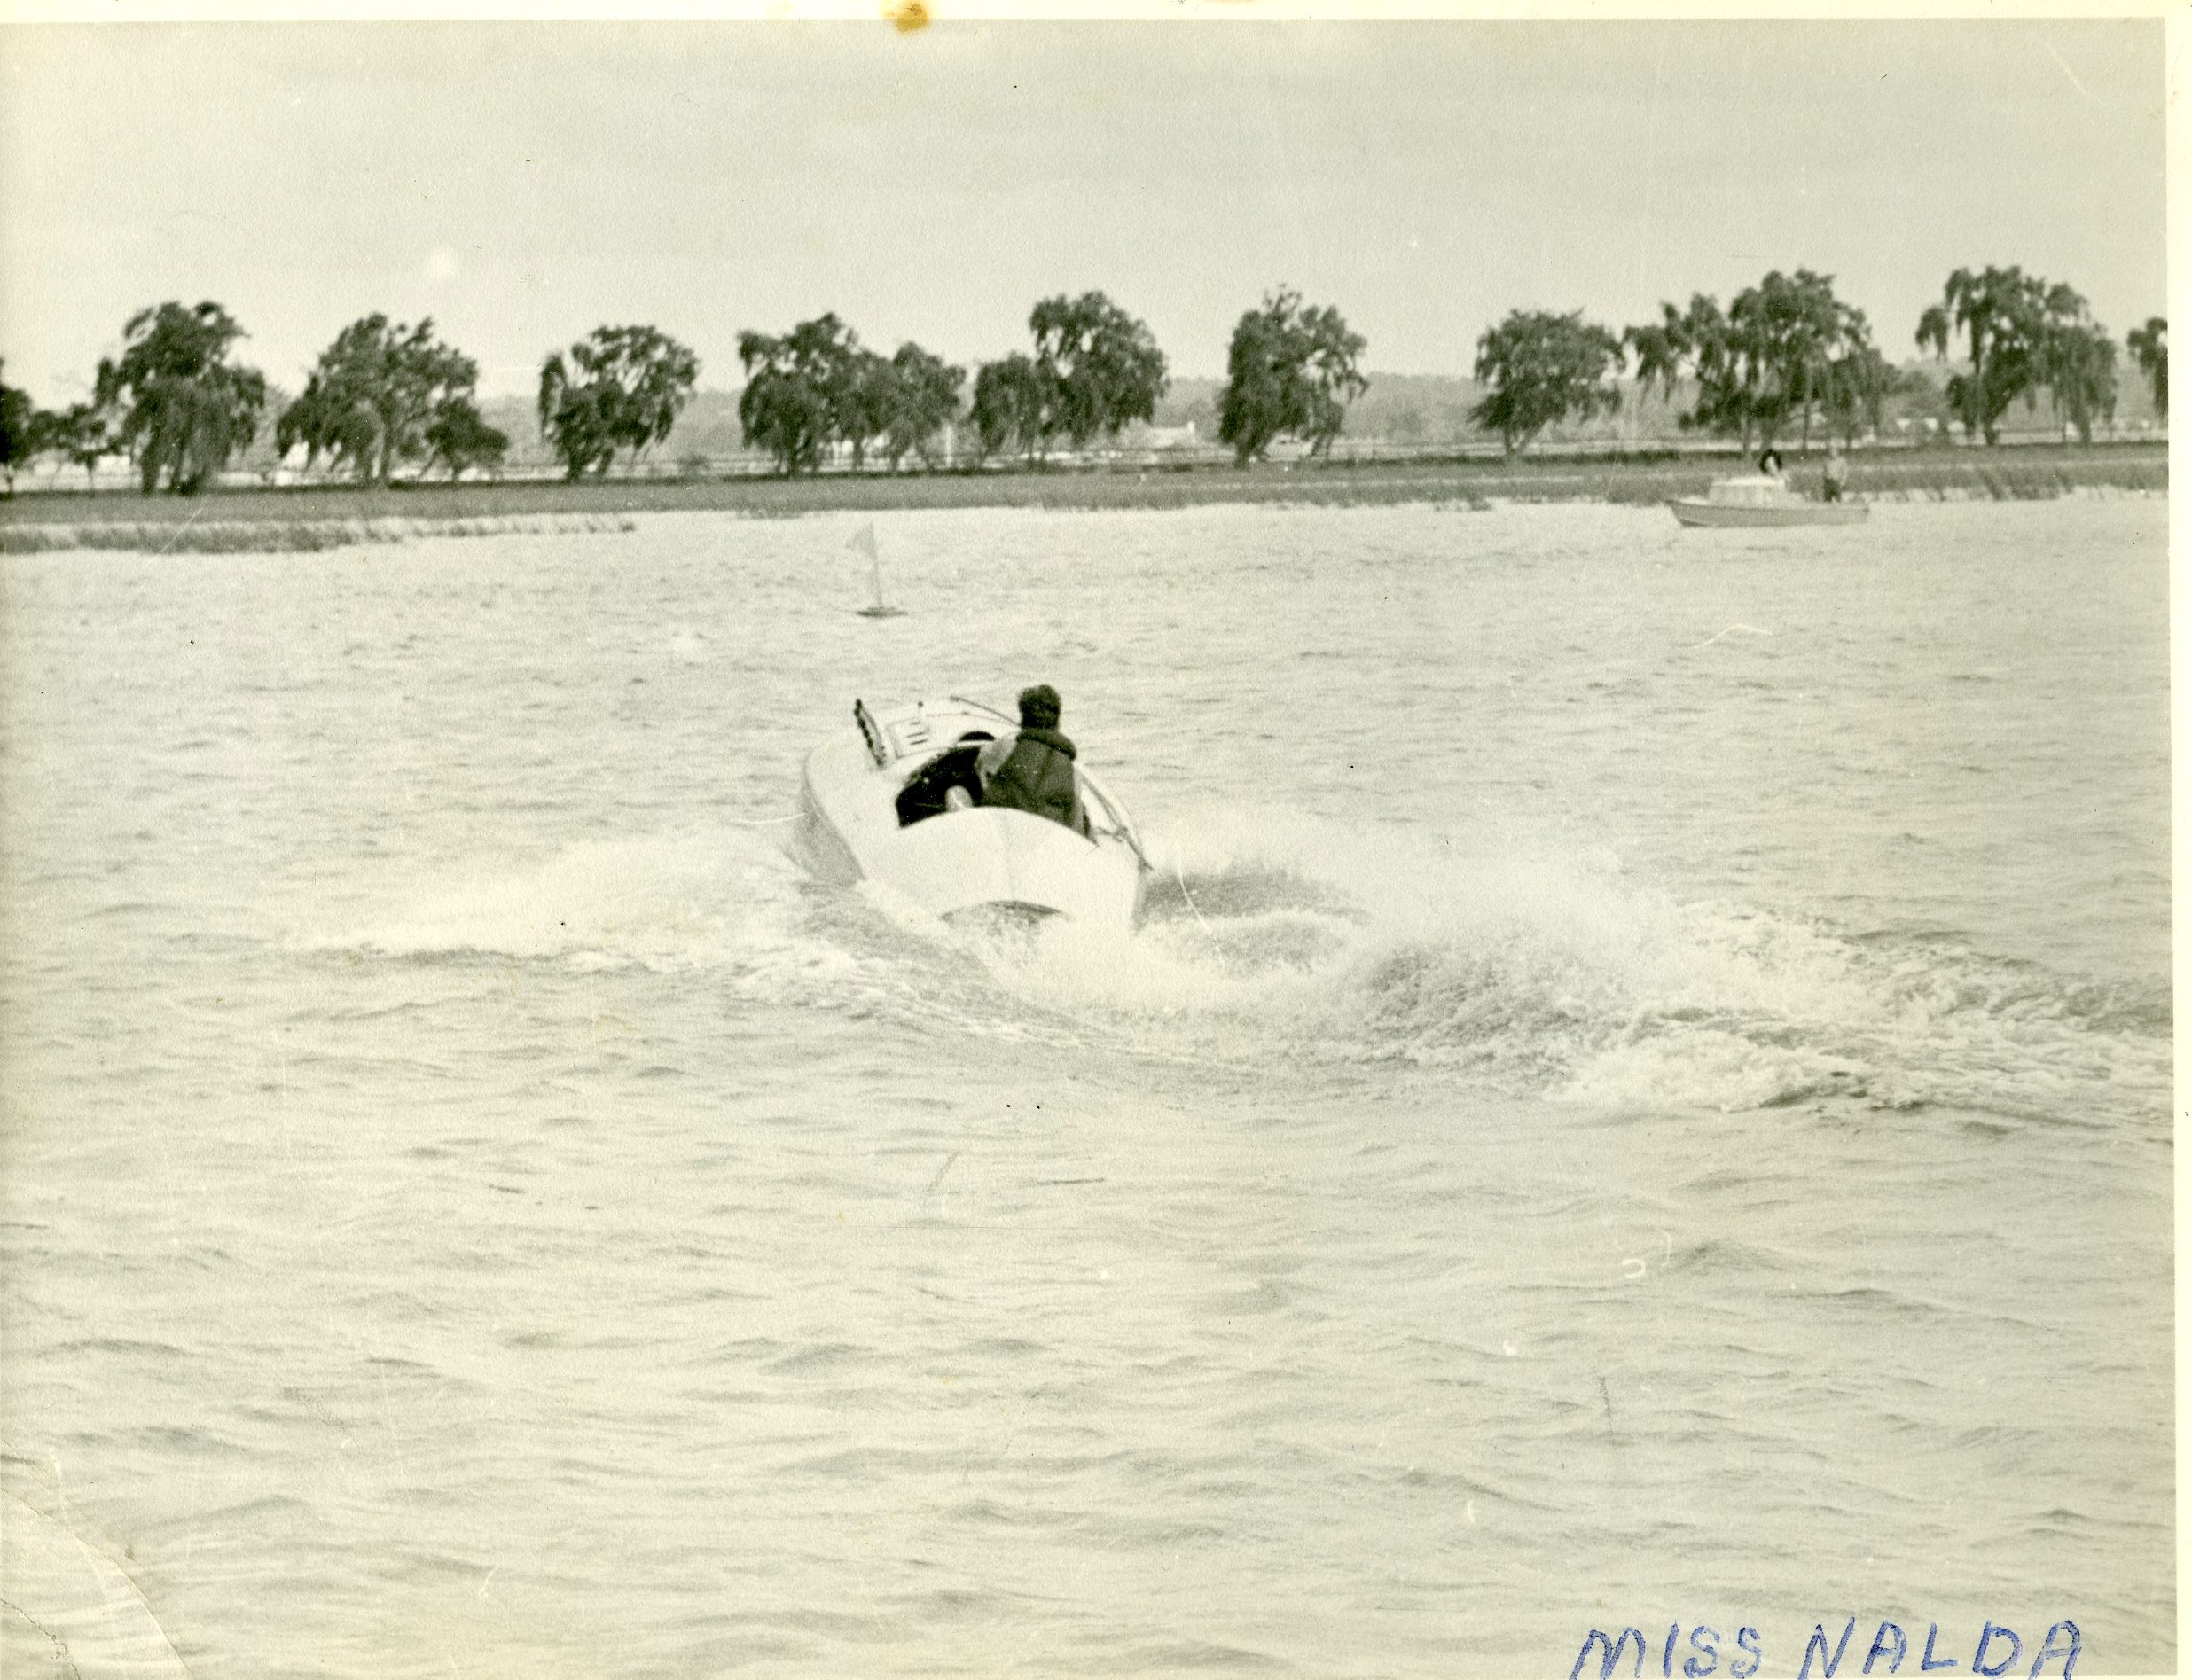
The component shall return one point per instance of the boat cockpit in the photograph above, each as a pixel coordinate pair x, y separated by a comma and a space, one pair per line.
935, 757
948, 782
937, 774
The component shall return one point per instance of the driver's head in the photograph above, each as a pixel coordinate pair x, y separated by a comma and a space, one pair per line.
1039, 707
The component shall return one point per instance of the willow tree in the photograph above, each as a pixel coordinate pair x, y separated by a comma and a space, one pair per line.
373, 394
861, 400
797, 390
459, 435
22, 430
1660, 349
1858, 384
327, 419
622, 389
2078, 359
1101, 366
924, 399
2150, 347
2024, 334
1011, 404
1542, 368
2000, 311
1819, 346
1290, 371
83, 433
185, 407
1694, 344
1785, 351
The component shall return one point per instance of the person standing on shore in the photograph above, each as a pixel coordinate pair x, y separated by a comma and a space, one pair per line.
1837, 474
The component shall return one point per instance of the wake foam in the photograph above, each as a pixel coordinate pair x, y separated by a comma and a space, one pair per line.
1283, 941
1276, 942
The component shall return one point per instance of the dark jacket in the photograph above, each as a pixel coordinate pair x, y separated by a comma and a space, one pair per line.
1037, 776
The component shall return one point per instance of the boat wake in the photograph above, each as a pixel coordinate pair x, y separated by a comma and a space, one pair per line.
1561, 977
1298, 948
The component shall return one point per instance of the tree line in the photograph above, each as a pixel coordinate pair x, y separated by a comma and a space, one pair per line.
1787, 353
1784, 354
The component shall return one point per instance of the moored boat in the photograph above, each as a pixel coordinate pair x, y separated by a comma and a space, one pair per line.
866, 812
1759, 499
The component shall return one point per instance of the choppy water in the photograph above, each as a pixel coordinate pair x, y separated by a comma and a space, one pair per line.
1643, 1097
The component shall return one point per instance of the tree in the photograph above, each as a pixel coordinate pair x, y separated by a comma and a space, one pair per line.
2002, 310
459, 436
925, 399
331, 421
186, 407
83, 433
797, 390
863, 396
1728, 355
1690, 343
1659, 349
1859, 384
1819, 352
2024, 334
1810, 333
622, 389
1263, 399
1542, 368
1784, 350
1011, 404
1101, 366
22, 430
2150, 347
2081, 375
1776, 339
1334, 374
579, 421
2078, 359
1290, 371
371, 398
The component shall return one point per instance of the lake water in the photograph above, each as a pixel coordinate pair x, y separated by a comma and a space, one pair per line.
1643, 1098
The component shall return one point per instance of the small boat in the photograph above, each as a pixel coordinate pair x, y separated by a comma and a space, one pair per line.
1758, 499
887, 803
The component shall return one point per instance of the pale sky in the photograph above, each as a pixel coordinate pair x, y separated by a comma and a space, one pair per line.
524, 183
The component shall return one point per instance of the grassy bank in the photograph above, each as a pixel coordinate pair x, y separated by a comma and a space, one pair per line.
317, 517
258, 530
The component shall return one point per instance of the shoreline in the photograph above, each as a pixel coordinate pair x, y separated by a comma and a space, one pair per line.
313, 518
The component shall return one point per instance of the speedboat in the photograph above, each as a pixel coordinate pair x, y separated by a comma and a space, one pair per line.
1760, 498
891, 802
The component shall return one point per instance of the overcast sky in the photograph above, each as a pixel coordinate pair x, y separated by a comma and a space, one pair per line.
524, 183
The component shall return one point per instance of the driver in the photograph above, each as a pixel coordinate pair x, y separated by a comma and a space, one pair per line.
1033, 770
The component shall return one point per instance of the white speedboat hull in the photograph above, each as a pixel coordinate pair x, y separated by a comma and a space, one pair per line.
962, 861
1694, 511
1757, 499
